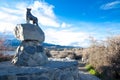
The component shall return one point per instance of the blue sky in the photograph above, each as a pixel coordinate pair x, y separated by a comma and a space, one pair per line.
65, 22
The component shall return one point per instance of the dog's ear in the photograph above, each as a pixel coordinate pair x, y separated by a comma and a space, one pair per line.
28, 9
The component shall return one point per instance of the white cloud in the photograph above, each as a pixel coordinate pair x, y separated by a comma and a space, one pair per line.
43, 11
66, 37
9, 18
45, 21
64, 25
6, 26
111, 5
56, 31
44, 8
45, 14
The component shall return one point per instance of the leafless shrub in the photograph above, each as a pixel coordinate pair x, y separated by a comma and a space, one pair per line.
105, 57
85, 54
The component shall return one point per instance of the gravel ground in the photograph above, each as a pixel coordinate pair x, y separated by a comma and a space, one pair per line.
84, 74
87, 76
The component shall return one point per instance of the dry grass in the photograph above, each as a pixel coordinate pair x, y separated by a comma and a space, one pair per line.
5, 57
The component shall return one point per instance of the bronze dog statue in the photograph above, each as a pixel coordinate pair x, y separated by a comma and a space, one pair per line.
29, 17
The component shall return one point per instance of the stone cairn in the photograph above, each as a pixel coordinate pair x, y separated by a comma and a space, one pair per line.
30, 52
30, 61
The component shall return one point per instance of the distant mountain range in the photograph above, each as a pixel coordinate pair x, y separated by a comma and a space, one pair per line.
48, 45
10, 40
15, 43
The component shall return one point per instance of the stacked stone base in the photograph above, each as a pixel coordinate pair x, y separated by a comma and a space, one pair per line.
55, 69
30, 53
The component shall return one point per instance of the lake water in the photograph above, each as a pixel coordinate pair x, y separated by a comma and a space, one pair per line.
8, 52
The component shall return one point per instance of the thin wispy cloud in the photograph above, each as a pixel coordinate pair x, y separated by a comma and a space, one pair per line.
9, 18
111, 5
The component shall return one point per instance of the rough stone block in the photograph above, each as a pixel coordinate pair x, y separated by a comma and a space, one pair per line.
29, 32
55, 69
30, 50
3, 78
22, 78
43, 78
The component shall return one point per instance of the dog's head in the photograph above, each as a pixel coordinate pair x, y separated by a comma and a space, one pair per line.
28, 9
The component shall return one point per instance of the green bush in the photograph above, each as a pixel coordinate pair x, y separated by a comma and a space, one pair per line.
88, 67
94, 72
